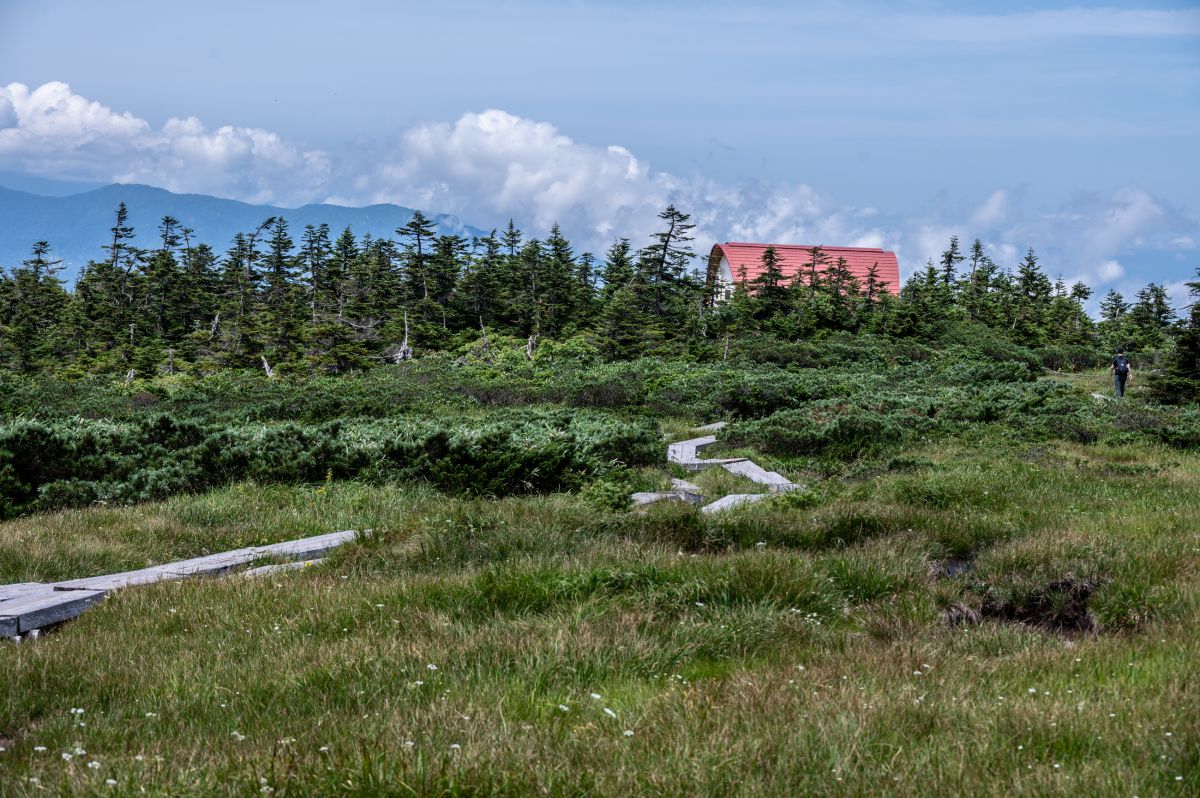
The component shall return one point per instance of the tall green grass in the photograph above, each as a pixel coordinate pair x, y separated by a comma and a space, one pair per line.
540, 645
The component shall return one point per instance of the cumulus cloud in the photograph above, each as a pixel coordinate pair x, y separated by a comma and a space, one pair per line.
54, 132
992, 211
1110, 270
493, 165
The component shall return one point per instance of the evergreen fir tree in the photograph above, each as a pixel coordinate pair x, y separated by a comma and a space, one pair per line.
32, 301
951, 257
618, 270
1179, 381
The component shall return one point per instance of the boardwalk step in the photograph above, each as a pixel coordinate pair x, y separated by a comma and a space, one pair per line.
22, 615
733, 500
644, 498
756, 473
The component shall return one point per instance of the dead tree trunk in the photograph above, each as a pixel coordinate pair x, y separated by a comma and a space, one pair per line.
404, 352
486, 349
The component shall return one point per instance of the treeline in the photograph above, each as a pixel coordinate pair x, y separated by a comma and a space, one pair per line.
326, 303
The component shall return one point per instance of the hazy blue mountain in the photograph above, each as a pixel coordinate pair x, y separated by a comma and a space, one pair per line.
77, 226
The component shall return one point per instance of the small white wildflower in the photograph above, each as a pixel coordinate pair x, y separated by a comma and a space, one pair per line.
418, 682
1032, 689
699, 603
139, 757
237, 735
66, 756
379, 606
609, 712
34, 780
408, 743
76, 710
431, 667
152, 714
323, 749
1057, 766
596, 696
39, 748
917, 673
628, 732
564, 708
94, 765
79, 751
110, 782
455, 746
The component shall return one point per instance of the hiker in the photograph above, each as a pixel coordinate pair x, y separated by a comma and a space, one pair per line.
1121, 371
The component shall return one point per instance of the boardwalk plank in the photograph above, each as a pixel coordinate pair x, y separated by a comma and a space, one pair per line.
21, 589
733, 500
19, 616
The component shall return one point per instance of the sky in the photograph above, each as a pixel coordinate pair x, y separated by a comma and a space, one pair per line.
1071, 128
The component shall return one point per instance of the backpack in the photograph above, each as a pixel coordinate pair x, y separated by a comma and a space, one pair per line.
1121, 365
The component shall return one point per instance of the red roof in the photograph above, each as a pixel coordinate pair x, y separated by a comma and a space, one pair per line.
794, 258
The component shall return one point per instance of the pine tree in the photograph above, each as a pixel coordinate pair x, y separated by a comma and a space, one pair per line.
418, 252
1033, 299
316, 252
618, 270
32, 300
1150, 319
976, 294
479, 289
665, 262
771, 297
280, 298
1179, 381
165, 288
814, 271
950, 260
558, 280
585, 290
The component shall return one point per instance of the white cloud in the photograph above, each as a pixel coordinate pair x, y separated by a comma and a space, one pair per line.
54, 132
1110, 270
493, 165
992, 211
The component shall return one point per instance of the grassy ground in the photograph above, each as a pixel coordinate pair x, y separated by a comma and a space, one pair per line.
537, 645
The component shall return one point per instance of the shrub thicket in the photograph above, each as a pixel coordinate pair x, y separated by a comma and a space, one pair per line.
60, 463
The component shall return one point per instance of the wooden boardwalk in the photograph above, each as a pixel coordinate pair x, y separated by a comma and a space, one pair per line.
27, 607
687, 454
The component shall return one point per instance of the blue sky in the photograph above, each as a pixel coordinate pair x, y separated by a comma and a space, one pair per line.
1071, 128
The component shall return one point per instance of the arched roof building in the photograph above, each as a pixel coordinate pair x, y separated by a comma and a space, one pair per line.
731, 262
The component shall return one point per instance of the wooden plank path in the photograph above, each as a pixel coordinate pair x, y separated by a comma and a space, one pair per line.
687, 454
26, 607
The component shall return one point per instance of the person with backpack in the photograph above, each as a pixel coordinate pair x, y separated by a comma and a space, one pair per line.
1121, 371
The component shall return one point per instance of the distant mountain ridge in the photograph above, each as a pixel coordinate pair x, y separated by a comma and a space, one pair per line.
77, 225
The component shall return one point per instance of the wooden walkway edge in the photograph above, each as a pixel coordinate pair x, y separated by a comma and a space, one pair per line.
26, 607
687, 454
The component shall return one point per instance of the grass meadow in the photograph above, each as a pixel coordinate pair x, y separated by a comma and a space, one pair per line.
984, 618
